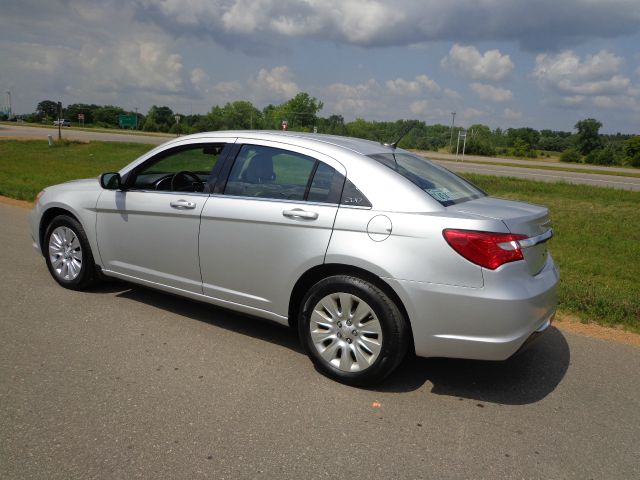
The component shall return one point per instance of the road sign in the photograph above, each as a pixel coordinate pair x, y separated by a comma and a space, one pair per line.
81, 117
127, 121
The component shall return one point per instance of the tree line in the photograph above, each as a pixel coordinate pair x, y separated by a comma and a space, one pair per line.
300, 113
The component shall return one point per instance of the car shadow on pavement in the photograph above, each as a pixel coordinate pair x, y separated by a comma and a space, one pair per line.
525, 378
244, 324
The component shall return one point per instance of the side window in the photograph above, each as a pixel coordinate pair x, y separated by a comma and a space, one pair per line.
184, 169
353, 197
266, 172
326, 186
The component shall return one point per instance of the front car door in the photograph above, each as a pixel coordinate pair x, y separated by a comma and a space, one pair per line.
268, 224
149, 230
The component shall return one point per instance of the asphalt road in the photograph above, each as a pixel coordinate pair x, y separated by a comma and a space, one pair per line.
125, 382
35, 133
539, 174
542, 175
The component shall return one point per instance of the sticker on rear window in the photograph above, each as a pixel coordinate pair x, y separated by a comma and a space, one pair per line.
443, 194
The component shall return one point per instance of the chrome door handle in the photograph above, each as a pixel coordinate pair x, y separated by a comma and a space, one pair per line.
183, 205
299, 213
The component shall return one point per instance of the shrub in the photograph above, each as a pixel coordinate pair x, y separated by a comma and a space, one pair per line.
477, 146
571, 155
604, 156
632, 151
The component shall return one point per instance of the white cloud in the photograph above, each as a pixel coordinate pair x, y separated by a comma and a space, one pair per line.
400, 86
276, 83
489, 92
419, 107
199, 77
573, 100
492, 65
353, 100
597, 74
227, 89
377, 23
472, 114
452, 94
512, 114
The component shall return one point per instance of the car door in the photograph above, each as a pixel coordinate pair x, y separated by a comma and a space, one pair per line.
270, 223
149, 230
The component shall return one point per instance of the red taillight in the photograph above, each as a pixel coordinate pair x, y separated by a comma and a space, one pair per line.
487, 249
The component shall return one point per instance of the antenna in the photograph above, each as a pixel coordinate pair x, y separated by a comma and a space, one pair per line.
411, 125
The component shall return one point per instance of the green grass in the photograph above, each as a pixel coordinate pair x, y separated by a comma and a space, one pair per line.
597, 230
26, 167
596, 245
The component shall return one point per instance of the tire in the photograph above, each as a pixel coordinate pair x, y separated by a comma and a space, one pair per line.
352, 331
68, 255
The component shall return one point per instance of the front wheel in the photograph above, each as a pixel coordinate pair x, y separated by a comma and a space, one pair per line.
352, 331
68, 254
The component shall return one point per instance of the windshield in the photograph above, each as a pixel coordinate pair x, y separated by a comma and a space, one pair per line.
442, 185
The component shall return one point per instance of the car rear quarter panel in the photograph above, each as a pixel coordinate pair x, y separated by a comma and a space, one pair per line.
415, 249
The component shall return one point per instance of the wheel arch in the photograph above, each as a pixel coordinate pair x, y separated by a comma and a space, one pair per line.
317, 273
46, 219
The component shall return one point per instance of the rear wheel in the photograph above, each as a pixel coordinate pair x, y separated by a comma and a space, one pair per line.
68, 254
352, 331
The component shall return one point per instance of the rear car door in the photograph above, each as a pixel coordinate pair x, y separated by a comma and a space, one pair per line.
268, 224
149, 230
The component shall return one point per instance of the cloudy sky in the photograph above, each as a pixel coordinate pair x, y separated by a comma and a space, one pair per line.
542, 63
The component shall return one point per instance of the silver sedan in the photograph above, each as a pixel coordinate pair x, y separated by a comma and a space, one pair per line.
368, 250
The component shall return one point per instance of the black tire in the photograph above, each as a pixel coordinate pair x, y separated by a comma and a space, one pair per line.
393, 325
86, 276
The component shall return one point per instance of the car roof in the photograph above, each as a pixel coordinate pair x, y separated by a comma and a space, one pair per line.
356, 145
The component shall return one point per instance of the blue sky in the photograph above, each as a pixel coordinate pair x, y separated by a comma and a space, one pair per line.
544, 64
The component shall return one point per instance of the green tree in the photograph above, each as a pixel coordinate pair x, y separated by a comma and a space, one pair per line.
528, 136
48, 109
588, 138
241, 115
632, 151
301, 111
159, 119
74, 109
107, 115
609, 155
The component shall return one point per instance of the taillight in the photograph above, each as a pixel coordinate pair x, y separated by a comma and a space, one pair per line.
487, 249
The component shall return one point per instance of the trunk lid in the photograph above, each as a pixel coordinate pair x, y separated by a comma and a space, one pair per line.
519, 217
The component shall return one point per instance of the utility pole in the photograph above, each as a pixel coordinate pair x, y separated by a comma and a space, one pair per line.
453, 119
136, 118
59, 121
9, 102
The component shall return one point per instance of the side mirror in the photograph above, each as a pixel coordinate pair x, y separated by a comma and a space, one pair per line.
111, 181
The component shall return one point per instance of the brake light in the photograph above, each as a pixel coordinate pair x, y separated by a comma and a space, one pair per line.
487, 249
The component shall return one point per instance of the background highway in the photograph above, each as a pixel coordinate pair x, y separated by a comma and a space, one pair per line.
471, 164
125, 382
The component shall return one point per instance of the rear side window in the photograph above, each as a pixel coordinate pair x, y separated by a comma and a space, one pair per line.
266, 172
442, 185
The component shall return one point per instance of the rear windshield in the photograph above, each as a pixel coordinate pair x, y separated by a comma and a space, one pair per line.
442, 185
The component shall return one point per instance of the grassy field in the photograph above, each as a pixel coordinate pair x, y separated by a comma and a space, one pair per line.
596, 246
26, 167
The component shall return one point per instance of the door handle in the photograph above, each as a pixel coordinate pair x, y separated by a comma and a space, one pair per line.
299, 213
183, 205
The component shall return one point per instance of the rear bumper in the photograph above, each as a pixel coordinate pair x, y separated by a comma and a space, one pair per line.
488, 323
